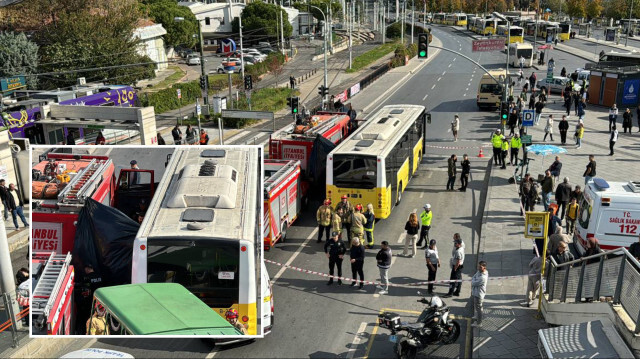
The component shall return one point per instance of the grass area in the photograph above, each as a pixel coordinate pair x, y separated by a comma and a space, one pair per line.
170, 80
267, 99
371, 56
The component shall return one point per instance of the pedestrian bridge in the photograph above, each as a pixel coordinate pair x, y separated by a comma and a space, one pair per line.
605, 287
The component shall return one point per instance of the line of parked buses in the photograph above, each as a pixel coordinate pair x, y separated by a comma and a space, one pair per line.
489, 25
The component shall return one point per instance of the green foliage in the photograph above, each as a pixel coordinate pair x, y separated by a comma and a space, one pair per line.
178, 32
576, 8
264, 19
403, 51
336, 8
167, 99
96, 36
594, 8
371, 56
18, 56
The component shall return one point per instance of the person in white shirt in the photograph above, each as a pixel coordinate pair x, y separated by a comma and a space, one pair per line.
478, 291
613, 116
433, 262
613, 139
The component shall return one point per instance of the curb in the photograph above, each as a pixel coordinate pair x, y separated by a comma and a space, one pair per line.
20, 242
43, 348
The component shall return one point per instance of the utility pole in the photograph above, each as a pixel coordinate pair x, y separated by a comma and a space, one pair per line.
202, 70
402, 23
330, 29
413, 17
424, 20
324, 99
281, 32
350, 39
535, 28
241, 48
384, 26
629, 24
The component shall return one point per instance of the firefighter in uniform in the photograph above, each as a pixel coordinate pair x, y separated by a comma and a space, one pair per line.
505, 152
516, 144
496, 141
232, 317
347, 209
368, 227
336, 222
358, 220
323, 216
425, 219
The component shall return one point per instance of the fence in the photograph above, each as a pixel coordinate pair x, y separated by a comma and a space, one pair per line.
613, 274
7, 323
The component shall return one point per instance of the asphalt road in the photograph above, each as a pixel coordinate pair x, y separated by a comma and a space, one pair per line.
315, 320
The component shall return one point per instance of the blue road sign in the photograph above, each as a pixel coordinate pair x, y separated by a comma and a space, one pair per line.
528, 117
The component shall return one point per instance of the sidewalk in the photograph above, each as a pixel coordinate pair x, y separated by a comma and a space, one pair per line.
510, 330
632, 43
17, 238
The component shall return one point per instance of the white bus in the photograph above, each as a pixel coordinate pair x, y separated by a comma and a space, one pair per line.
202, 230
374, 165
518, 50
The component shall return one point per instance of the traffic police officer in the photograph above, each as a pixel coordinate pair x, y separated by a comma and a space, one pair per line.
496, 141
505, 152
425, 219
516, 144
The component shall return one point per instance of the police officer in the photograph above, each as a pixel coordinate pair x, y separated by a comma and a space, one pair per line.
347, 210
505, 152
323, 216
425, 219
496, 141
358, 220
335, 251
516, 143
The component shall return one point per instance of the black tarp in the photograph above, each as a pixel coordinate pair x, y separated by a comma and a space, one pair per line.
318, 162
104, 239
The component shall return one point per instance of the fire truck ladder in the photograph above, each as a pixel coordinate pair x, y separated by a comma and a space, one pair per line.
277, 176
84, 183
49, 284
322, 128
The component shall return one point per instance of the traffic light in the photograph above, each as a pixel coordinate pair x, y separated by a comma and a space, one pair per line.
203, 82
423, 45
294, 105
323, 91
428, 117
248, 82
504, 112
289, 101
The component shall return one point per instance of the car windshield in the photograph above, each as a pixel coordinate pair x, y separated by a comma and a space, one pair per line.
492, 88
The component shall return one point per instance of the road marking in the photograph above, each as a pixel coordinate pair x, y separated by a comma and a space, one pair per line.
89, 343
421, 194
236, 136
401, 238
432, 87
211, 354
464, 95
467, 89
356, 340
439, 78
454, 59
425, 97
506, 325
481, 344
449, 65
258, 139
443, 73
284, 267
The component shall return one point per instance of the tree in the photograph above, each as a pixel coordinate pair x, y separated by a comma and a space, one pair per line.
594, 9
178, 32
336, 8
576, 8
263, 18
275, 67
97, 38
18, 56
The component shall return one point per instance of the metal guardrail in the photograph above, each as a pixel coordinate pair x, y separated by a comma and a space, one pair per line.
614, 273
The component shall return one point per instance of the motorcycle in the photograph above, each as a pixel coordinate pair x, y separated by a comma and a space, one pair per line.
434, 326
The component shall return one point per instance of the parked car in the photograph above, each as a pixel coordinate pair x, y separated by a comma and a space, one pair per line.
267, 51
256, 54
556, 84
183, 51
220, 69
193, 59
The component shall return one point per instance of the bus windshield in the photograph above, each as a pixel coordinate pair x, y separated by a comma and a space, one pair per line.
564, 28
526, 53
490, 88
207, 268
353, 171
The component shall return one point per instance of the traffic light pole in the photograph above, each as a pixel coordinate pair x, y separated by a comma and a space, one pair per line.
324, 98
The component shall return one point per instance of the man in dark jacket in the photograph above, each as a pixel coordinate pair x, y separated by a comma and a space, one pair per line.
547, 189
335, 251
525, 188
563, 126
451, 170
563, 255
562, 196
15, 205
177, 135
466, 170
539, 106
555, 169
4, 196
384, 263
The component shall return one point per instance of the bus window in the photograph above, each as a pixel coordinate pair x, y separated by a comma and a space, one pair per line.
526, 53
208, 269
491, 88
354, 172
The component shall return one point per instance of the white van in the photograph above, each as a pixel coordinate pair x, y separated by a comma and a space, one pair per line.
610, 212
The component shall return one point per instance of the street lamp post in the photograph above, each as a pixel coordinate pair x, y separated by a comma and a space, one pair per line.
629, 24
324, 99
202, 69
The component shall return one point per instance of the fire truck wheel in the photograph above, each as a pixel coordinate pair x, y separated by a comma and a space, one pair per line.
283, 233
305, 202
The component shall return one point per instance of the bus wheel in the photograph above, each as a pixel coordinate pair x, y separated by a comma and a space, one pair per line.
305, 202
283, 232
399, 194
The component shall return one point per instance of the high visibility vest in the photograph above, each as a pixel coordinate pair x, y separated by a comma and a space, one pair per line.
505, 145
516, 142
203, 139
425, 218
496, 140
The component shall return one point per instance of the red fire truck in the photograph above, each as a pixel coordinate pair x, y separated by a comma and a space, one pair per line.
63, 182
281, 199
52, 303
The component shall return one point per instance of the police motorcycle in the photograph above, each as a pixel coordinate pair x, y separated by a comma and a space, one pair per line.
434, 326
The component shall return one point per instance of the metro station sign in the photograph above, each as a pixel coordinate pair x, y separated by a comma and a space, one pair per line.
487, 45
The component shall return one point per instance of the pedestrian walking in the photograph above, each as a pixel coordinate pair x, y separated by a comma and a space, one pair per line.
335, 250
323, 217
638, 115
433, 263
532, 80
555, 239
582, 105
455, 126
478, 291
451, 171
15, 203
358, 220
513, 121
613, 116
612, 140
554, 224
4, 196
576, 193
204, 137
161, 141
627, 117
572, 215
292, 82
563, 127
384, 264
369, 225
191, 135
563, 255
579, 135
547, 188
520, 76
593, 248
504, 152
548, 129
523, 192
347, 210
534, 194
532, 102
411, 236
176, 133
634, 249
457, 264
533, 283
555, 169
538, 106
562, 196
563, 72
425, 218
466, 171
356, 257
590, 171
576, 101
568, 99
496, 142
525, 87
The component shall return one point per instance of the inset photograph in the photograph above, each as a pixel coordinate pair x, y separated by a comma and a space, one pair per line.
150, 241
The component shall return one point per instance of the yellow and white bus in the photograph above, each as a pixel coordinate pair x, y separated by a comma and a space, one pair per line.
517, 34
449, 19
374, 165
460, 19
565, 32
202, 230
439, 18
486, 27
517, 50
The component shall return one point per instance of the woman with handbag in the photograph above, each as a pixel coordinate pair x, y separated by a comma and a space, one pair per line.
548, 129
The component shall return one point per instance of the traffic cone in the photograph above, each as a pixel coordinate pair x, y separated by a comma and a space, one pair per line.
480, 155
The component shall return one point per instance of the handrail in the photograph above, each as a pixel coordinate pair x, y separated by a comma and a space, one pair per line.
601, 254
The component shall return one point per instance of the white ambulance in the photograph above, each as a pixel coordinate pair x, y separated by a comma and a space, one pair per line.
610, 212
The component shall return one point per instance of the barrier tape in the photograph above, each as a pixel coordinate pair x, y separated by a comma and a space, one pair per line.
457, 147
409, 285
